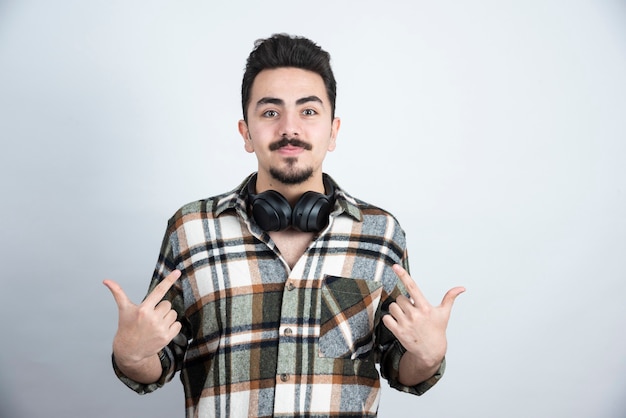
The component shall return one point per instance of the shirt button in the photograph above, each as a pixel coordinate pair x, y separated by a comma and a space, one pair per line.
284, 377
288, 332
290, 286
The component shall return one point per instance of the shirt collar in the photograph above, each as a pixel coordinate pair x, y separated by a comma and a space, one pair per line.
237, 199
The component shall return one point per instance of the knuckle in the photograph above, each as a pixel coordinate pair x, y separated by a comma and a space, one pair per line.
144, 311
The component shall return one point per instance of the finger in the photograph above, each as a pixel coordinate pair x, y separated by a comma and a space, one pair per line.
118, 294
391, 323
175, 329
397, 312
410, 285
161, 289
171, 317
164, 307
403, 303
450, 297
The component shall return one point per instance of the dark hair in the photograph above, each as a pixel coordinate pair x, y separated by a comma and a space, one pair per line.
282, 50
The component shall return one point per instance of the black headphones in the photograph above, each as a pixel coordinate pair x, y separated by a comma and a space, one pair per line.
272, 212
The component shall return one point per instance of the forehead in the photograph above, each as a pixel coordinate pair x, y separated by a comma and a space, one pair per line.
289, 84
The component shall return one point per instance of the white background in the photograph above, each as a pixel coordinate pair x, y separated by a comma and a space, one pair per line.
494, 130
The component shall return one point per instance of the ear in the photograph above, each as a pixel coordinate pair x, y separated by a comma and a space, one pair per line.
334, 131
245, 134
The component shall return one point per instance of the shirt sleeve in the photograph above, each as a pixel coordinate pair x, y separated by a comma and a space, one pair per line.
391, 350
165, 356
389, 369
172, 355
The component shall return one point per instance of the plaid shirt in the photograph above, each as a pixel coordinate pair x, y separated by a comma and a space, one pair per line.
260, 339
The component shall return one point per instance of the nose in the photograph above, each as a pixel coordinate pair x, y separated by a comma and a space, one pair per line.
289, 126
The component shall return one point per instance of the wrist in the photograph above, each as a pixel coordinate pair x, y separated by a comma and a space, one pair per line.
416, 369
125, 359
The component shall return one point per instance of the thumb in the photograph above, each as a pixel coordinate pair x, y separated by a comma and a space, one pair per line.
450, 296
118, 294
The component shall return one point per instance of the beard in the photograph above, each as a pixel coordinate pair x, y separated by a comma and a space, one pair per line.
291, 175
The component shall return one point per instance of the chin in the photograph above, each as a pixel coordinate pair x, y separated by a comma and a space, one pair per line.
290, 176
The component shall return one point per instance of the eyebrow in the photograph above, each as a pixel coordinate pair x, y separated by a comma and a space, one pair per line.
281, 102
309, 99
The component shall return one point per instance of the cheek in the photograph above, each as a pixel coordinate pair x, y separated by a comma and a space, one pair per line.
261, 134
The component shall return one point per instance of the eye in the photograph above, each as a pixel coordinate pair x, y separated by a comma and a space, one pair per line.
270, 113
309, 112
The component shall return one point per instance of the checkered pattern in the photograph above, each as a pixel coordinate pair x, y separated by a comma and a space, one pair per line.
260, 339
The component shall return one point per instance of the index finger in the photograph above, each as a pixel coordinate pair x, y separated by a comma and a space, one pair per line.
411, 287
161, 289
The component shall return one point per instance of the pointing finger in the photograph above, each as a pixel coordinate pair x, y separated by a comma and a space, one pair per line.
161, 289
118, 294
414, 292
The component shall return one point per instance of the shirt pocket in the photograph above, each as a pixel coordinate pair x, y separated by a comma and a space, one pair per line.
348, 308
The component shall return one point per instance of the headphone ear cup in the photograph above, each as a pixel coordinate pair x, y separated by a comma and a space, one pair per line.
311, 212
271, 211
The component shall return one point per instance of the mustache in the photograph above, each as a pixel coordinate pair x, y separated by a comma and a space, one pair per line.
290, 141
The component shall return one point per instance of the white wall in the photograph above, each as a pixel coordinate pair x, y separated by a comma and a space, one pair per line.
494, 130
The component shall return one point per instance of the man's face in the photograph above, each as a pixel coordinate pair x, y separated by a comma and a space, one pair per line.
289, 126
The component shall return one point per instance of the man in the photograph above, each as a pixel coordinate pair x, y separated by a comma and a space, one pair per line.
280, 297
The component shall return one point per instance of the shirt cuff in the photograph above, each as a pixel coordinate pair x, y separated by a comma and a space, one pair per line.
390, 366
167, 364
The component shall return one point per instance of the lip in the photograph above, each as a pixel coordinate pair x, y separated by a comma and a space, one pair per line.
290, 150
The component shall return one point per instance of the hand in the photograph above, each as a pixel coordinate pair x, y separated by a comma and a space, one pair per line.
419, 326
144, 329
